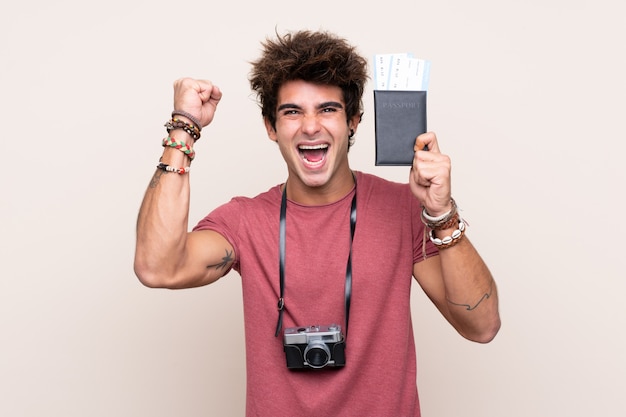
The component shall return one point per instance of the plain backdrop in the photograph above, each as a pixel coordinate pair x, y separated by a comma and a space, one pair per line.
527, 98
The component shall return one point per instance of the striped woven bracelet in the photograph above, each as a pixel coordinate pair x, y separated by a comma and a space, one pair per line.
181, 146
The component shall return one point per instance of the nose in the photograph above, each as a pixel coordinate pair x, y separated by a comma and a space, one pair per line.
310, 124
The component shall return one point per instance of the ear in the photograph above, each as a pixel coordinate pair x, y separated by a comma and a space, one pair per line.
271, 132
353, 123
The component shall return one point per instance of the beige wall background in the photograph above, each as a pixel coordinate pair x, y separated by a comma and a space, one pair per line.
526, 97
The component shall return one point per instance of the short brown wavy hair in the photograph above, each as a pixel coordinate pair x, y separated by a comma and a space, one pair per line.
318, 57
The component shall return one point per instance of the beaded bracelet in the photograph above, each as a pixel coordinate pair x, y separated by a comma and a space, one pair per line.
181, 146
449, 241
168, 168
189, 128
188, 116
445, 221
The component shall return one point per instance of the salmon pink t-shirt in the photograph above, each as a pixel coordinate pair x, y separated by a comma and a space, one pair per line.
379, 377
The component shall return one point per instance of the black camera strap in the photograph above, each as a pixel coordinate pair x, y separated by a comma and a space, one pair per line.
282, 251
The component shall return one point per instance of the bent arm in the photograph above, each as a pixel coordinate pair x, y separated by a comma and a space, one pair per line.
166, 254
457, 281
463, 289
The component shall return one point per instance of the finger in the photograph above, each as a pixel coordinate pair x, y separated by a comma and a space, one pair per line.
426, 142
425, 159
216, 94
207, 91
421, 175
420, 171
421, 181
184, 84
419, 145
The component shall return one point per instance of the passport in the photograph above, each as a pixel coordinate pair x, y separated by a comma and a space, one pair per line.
400, 116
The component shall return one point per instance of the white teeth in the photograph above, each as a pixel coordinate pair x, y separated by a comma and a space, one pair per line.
303, 148
311, 147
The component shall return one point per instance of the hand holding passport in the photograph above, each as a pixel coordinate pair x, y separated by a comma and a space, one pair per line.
400, 106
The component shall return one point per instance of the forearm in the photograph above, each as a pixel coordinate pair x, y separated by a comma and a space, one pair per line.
460, 284
162, 224
470, 291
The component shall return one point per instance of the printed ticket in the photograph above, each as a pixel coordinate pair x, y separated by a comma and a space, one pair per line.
401, 71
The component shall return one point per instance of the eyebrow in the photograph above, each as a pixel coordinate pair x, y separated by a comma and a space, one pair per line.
320, 106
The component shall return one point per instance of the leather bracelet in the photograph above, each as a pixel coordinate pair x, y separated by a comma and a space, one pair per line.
452, 222
188, 116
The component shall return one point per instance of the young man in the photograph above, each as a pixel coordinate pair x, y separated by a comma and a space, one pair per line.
331, 247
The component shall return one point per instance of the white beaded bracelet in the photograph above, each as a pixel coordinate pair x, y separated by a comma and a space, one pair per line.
435, 219
451, 240
435, 222
165, 167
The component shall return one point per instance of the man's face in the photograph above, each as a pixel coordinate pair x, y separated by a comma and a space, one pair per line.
312, 133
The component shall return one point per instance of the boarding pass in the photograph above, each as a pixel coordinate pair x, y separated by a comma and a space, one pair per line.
401, 71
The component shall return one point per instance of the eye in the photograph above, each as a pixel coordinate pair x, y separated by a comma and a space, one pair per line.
290, 112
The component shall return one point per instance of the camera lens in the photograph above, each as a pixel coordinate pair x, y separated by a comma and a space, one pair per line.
317, 354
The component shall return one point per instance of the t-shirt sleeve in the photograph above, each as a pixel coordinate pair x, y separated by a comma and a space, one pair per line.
224, 220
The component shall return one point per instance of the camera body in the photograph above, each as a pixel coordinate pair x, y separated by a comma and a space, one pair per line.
314, 347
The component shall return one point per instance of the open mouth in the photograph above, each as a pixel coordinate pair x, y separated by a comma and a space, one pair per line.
313, 154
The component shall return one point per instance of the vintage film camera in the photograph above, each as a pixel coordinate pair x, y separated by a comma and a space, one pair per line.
314, 347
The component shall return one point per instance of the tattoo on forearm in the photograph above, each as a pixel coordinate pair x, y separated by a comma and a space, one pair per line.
469, 307
156, 178
225, 261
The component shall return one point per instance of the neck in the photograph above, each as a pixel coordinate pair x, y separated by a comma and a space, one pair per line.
328, 193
